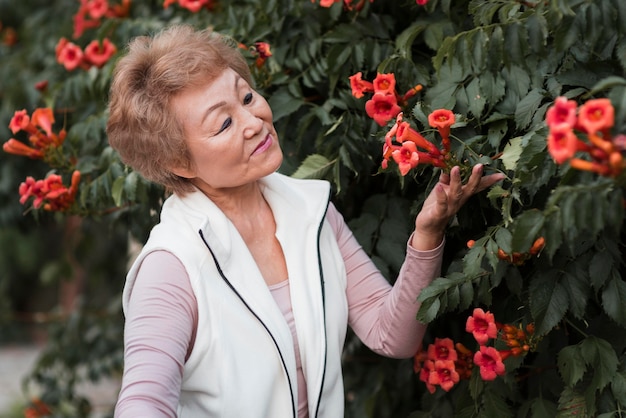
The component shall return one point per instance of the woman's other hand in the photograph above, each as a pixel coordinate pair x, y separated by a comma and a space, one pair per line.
444, 201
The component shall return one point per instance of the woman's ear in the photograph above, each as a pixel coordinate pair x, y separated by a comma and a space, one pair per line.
184, 169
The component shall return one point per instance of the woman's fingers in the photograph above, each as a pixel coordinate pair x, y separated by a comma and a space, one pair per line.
456, 185
477, 182
450, 194
473, 184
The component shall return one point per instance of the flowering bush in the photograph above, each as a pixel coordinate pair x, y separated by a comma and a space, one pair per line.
379, 98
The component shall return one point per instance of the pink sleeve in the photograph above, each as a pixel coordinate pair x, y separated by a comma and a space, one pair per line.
382, 316
158, 334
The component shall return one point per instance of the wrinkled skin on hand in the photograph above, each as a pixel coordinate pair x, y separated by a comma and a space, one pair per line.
444, 201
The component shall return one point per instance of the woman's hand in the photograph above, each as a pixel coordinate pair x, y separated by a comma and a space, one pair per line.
444, 201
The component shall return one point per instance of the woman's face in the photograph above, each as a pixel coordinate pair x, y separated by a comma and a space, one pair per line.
229, 132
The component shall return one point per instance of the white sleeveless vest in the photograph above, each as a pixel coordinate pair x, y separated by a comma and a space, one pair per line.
243, 363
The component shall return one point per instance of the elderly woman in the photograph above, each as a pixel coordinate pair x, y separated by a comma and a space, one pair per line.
239, 302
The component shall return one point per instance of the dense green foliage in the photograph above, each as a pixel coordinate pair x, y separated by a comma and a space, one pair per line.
499, 65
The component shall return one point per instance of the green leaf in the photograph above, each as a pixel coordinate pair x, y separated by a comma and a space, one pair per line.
503, 239
614, 299
476, 384
445, 50
511, 153
606, 84
571, 404
314, 167
476, 99
515, 45
404, 41
553, 233
548, 301
117, 191
517, 79
576, 282
494, 405
392, 240
338, 55
283, 103
492, 87
543, 408
537, 32
473, 259
571, 365
428, 310
131, 185
600, 355
526, 229
600, 269
495, 50
466, 294
527, 107
618, 386
442, 95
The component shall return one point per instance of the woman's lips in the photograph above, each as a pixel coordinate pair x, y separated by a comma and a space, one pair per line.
263, 145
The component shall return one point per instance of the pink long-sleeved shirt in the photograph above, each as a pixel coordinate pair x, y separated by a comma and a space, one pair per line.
162, 315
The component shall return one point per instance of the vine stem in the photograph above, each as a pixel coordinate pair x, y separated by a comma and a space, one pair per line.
570, 323
477, 156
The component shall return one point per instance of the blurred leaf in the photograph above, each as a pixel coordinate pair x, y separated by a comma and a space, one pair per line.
283, 103
117, 191
527, 107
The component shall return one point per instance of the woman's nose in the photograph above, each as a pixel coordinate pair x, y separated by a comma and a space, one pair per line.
253, 124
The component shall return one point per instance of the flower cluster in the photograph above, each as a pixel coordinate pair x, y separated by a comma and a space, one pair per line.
50, 193
261, 51
8, 35
347, 4
519, 340
593, 120
518, 258
445, 363
38, 127
71, 56
193, 6
37, 409
91, 12
404, 150
385, 103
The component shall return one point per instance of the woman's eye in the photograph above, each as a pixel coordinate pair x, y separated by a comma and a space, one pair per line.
248, 98
225, 125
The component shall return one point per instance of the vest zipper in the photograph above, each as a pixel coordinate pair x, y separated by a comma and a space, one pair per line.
282, 359
323, 288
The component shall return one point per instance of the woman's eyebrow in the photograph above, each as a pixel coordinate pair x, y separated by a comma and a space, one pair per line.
221, 103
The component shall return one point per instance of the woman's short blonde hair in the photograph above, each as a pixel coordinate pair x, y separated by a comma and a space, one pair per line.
142, 127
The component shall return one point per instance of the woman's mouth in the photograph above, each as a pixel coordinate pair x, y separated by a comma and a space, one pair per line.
263, 145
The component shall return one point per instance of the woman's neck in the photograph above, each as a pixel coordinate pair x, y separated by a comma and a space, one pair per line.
245, 206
